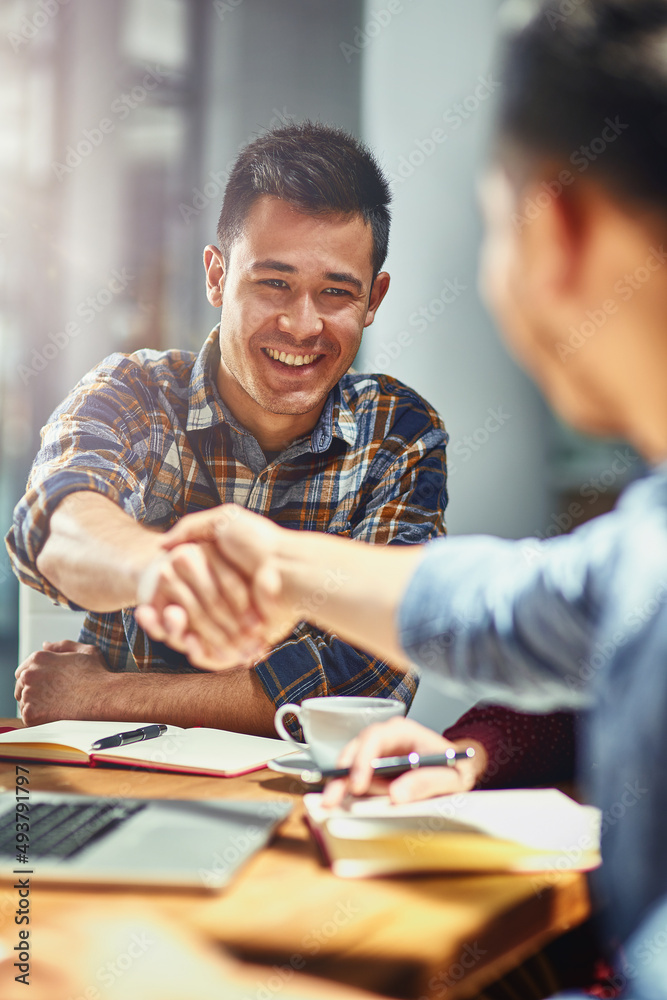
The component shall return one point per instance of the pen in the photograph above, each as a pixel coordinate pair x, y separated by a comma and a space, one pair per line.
131, 736
389, 767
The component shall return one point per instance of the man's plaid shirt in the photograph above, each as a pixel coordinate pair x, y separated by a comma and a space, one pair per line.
137, 428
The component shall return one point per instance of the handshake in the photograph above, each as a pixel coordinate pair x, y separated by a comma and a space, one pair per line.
228, 585
219, 591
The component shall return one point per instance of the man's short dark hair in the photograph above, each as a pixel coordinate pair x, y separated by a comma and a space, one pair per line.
585, 85
319, 170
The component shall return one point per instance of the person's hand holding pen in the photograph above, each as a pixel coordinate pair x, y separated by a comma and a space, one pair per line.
399, 737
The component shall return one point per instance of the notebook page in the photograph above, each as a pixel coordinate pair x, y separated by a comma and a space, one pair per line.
541, 818
204, 750
71, 733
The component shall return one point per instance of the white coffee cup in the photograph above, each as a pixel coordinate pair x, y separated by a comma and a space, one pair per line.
330, 723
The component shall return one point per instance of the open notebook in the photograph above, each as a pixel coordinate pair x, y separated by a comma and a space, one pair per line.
521, 830
213, 752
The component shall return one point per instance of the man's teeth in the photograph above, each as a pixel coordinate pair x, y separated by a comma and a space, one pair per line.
291, 359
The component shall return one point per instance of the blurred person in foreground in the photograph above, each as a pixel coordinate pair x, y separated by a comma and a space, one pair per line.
575, 201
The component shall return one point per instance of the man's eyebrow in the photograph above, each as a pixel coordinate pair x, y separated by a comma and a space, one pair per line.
273, 265
344, 278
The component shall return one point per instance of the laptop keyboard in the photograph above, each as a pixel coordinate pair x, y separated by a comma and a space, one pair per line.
61, 830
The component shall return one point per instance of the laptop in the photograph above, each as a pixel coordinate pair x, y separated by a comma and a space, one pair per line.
189, 843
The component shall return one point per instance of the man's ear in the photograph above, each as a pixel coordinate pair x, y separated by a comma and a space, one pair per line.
556, 246
214, 266
378, 291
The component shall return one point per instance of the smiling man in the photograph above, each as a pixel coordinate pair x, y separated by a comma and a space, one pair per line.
268, 416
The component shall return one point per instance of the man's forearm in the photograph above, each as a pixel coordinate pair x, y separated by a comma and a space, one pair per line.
232, 700
353, 589
95, 553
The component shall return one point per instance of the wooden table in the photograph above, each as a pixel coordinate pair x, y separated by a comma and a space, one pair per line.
417, 937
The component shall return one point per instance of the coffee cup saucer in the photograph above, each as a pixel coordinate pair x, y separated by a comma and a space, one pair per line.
294, 763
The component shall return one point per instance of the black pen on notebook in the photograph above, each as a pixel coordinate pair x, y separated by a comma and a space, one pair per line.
131, 736
390, 767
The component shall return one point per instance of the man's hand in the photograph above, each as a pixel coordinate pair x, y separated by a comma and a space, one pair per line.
400, 737
69, 680
64, 680
207, 525
214, 594
191, 599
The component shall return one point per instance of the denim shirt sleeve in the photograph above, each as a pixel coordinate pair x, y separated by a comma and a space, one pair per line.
510, 622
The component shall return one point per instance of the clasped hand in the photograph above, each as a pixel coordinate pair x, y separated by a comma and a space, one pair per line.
212, 593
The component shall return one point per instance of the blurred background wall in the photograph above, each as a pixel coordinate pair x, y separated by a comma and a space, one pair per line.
119, 121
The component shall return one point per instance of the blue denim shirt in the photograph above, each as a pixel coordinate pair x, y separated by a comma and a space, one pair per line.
576, 622
536, 624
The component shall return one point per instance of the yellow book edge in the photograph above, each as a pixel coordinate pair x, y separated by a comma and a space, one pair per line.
374, 838
444, 852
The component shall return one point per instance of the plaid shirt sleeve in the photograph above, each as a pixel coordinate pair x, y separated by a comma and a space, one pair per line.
404, 503
96, 440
